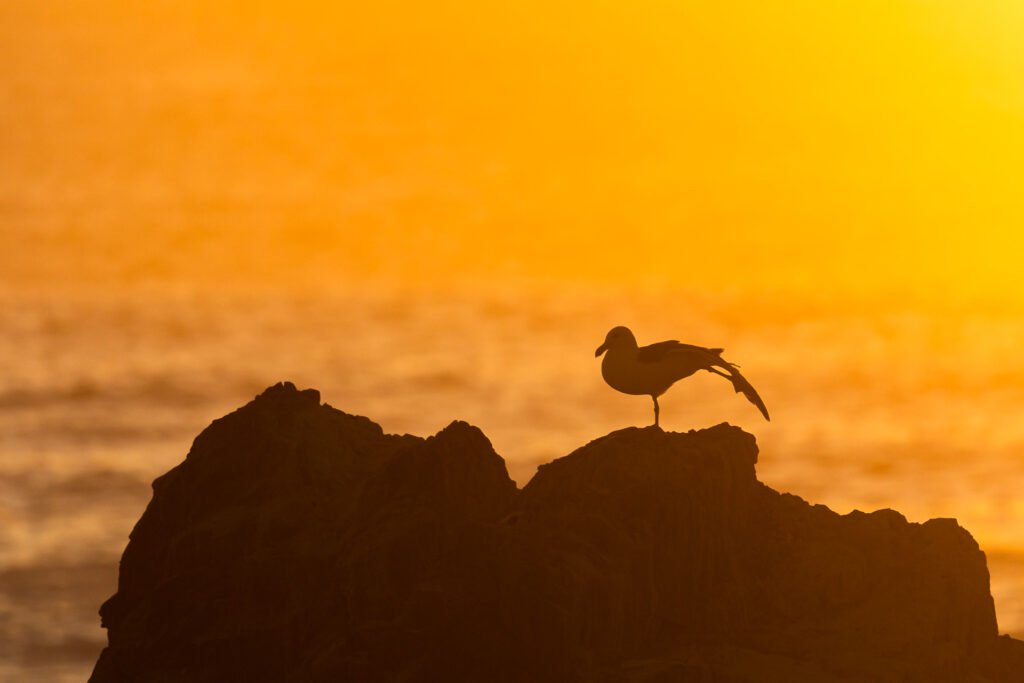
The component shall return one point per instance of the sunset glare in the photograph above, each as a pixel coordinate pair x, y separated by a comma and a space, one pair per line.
800, 146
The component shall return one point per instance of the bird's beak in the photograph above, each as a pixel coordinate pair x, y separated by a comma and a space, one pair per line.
601, 349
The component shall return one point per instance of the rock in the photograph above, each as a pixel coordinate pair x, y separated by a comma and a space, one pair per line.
298, 543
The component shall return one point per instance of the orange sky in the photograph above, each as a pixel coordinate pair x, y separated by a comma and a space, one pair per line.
876, 144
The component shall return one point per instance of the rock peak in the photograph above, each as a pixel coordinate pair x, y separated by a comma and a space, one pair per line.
723, 438
286, 392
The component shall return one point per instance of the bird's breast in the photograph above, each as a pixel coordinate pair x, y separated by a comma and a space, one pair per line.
628, 375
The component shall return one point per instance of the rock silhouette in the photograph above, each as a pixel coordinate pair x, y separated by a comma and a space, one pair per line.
299, 543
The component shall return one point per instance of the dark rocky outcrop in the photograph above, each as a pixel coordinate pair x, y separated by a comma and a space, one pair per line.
298, 543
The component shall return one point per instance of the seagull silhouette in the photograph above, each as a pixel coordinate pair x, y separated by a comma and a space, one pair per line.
651, 370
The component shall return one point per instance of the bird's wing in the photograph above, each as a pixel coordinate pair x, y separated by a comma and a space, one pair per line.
702, 358
662, 350
742, 386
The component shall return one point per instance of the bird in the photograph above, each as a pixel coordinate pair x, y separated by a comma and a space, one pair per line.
651, 370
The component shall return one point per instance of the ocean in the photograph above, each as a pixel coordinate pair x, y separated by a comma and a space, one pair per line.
102, 391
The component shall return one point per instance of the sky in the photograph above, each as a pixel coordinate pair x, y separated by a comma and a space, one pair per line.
849, 147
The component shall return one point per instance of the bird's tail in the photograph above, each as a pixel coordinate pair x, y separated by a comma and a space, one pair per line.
742, 386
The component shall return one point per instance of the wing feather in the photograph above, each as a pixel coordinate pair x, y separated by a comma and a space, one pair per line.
661, 350
712, 358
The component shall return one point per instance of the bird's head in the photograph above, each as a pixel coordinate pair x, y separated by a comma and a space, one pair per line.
617, 337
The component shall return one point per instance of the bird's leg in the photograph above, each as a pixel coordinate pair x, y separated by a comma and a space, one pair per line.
718, 372
657, 411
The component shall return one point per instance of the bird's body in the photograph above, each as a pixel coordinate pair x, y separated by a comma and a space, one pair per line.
651, 370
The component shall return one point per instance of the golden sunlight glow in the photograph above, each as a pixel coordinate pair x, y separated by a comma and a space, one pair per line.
868, 145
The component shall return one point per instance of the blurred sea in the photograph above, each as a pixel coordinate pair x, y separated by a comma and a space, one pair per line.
101, 393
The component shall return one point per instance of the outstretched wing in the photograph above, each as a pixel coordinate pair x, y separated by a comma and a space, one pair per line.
699, 357
742, 386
